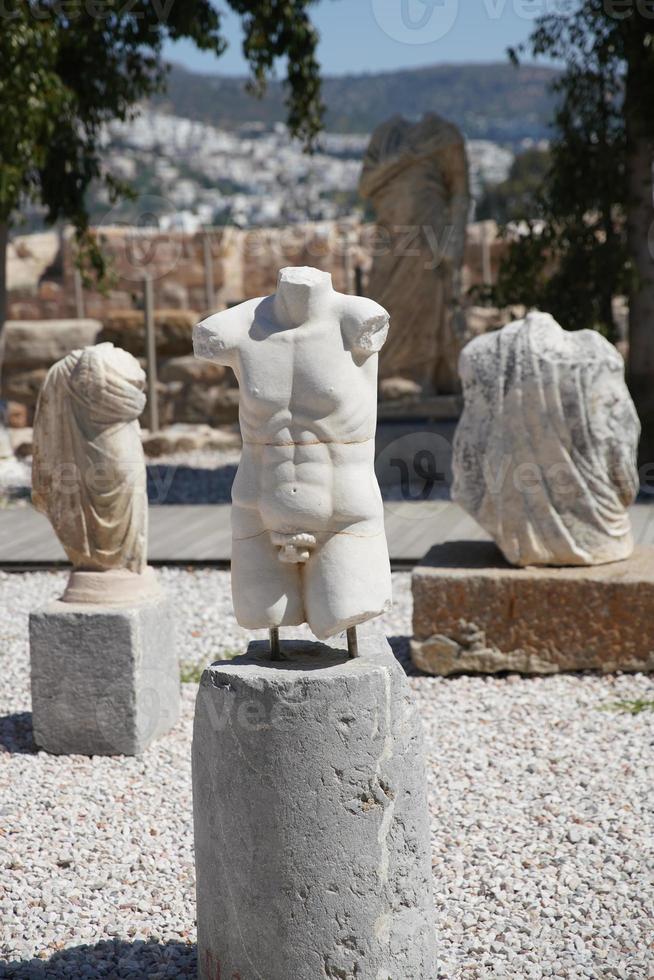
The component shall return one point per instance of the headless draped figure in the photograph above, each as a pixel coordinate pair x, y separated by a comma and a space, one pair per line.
545, 452
307, 515
89, 471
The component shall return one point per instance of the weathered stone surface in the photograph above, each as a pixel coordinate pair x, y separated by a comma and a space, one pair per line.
104, 681
21, 440
173, 331
28, 258
190, 438
197, 404
111, 587
483, 319
545, 452
174, 295
24, 386
416, 177
34, 344
393, 389
19, 416
473, 612
311, 824
190, 369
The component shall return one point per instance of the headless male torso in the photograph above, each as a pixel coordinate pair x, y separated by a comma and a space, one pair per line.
307, 516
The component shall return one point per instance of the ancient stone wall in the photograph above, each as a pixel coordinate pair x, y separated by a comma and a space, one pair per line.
192, 274
204, 271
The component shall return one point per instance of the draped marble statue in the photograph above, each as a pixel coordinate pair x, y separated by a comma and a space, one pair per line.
307, 517
89, 474
416, 176
545, 452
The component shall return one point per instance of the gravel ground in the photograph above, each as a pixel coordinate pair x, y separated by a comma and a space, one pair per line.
541, 819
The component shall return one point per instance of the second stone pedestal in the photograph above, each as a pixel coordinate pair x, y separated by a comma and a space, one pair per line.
311, 821
474, 612
105, 681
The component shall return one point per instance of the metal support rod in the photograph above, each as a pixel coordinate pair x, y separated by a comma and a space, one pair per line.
347, 262
486, 268
79, 294
151, 352
358, 280
275, 650
352, 642
208, 272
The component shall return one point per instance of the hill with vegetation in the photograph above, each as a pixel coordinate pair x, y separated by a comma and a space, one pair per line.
493, 101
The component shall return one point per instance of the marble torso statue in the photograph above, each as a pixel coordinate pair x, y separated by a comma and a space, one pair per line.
307, 517
416, 177
545, 452
89, 469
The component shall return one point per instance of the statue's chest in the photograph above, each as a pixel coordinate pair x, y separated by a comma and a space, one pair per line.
292, 366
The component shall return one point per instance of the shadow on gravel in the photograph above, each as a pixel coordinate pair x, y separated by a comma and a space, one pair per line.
110, 960
401, 647
16, 735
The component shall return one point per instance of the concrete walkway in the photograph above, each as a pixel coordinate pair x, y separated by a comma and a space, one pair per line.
201, 533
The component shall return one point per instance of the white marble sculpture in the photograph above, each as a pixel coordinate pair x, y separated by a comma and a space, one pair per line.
307, 518
89, 474
545, 452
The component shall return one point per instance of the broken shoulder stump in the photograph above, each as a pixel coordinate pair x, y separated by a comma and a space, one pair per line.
311, 822
473, 612
105, 680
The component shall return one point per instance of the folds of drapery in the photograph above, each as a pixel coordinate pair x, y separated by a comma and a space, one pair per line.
89, 473
546, 449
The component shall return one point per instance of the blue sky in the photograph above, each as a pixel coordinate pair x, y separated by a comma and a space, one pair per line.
376, 35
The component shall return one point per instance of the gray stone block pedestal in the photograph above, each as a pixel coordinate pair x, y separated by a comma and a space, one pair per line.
311, 821
105, 680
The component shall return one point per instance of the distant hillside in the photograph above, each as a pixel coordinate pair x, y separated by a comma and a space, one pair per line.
495, 101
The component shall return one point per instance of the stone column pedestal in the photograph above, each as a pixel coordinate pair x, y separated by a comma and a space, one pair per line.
311, 821
105, 680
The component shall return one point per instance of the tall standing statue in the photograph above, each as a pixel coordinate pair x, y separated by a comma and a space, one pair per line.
416, 177
307, 518
89, 474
